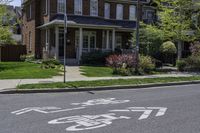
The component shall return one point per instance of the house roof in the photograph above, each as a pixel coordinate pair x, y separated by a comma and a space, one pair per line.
88, 20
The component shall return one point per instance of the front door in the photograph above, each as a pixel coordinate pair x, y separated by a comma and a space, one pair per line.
70, 46
89, 41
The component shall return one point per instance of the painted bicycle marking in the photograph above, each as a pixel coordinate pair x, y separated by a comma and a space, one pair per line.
88, 122
83, 105
101, 102
146, 111
43, 110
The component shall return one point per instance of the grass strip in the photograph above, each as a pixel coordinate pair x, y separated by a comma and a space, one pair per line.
25, 70
101, 83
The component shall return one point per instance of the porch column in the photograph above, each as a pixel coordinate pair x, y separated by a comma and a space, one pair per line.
107, 39
57, 43
80, 42
113, 40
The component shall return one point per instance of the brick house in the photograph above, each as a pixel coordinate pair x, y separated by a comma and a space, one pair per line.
92, 25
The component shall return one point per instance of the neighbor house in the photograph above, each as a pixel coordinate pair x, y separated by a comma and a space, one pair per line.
91, 25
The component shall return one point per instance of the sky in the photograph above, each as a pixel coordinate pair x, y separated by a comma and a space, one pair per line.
16, 3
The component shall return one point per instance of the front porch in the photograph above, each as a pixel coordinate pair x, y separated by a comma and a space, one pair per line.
83, 40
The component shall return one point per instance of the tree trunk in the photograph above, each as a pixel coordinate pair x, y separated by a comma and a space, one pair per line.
179, 50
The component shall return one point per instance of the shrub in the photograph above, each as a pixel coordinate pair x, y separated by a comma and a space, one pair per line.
195, 48
168, 48
51, 64
95, 58
181, 65
158, 63
27, 58
146, 64
123, 64
193, 63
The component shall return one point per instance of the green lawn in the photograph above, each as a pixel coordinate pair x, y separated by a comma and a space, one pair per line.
96, 71
24, 70
100, 83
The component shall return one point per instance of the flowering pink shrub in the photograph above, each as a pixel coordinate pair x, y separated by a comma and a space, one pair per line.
121, 61
125, 64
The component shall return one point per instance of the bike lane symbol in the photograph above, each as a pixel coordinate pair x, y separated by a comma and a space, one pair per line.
88, 122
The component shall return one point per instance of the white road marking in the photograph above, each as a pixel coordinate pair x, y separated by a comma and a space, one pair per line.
147, 111
47, 110
88, 122
65, 110
44, 110
101, 101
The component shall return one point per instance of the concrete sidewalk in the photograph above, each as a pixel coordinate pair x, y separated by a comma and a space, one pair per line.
74, 74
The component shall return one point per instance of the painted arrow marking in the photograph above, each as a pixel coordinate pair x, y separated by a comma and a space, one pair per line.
147, 111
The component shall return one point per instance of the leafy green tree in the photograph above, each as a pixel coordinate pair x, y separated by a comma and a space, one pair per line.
5, 34
150, 39
175, 20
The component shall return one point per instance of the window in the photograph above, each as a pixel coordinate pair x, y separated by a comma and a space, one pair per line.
47, 40
28, 12
107, 11
132, 12
118, 40
61, 6
46, 7
78, 7
119, 11
30, 41
94, 7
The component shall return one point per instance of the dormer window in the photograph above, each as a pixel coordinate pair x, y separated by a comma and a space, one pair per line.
61, 6
78, 7
119, 11
94, 7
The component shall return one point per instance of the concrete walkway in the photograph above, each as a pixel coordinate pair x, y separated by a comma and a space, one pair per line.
74, 74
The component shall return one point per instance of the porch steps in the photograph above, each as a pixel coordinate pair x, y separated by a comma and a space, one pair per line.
70, 62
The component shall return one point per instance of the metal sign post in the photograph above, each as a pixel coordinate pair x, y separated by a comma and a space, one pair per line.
137, 37
65, 39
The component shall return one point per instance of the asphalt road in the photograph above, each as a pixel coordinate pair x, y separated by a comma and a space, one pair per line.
155, 110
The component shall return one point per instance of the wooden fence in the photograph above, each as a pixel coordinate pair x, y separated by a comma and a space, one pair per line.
12, 52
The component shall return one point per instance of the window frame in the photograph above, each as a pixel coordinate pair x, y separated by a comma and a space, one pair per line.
130, 17
59, 3
47, 37
80, 7
92, 12
121, 7
107, 11
30, 41
46, 7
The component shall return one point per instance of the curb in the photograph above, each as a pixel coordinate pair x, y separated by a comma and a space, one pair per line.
83, 89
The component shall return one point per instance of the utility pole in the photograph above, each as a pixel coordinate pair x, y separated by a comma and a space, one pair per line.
65, 39
137, 37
